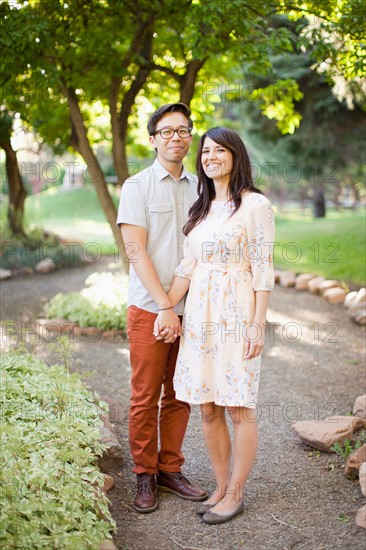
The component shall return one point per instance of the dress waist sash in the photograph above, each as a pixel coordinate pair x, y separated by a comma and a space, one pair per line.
226, 300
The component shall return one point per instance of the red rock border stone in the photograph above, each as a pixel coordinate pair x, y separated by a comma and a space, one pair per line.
51, 328
331, 290
322, 435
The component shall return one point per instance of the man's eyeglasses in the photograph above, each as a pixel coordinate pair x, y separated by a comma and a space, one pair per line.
168, 133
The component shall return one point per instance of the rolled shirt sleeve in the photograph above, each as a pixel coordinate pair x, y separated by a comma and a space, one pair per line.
188, 263
261, 235
132, 205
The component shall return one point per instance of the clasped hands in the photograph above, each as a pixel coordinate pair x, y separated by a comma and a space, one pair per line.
167, 326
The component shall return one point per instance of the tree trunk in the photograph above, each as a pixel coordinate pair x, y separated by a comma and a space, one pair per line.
319, 203
336, 196
17, 192
189, 80
120, 131
356, 193
81, 144
140, 46
118, 143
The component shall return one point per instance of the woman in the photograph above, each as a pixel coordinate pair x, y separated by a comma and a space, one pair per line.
227, 267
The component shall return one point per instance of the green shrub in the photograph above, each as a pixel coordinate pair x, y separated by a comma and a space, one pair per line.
101, 304
51, 493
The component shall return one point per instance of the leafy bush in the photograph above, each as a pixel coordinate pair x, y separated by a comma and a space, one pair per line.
51, 487
101, 304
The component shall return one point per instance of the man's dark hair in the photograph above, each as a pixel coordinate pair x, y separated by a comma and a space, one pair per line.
169, 108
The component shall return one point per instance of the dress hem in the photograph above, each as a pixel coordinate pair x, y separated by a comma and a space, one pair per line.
220, 404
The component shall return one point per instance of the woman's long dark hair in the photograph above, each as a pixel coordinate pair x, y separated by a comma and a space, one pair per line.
240, 177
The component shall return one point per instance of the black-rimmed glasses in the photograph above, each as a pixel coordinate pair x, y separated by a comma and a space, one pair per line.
168, 133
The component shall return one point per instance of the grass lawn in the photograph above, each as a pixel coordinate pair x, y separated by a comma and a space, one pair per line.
333, 246
72, 214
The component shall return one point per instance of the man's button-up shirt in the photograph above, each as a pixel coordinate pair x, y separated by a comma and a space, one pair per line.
154, 200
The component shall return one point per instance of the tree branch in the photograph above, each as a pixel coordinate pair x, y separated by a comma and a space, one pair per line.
137, 83
155, 67
189, 80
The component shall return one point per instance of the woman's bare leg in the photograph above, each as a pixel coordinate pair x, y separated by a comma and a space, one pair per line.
245, 450
218, 444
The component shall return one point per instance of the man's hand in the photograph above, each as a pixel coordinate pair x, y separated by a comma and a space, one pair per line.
167, 326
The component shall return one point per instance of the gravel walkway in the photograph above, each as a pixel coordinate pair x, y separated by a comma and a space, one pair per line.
296, 498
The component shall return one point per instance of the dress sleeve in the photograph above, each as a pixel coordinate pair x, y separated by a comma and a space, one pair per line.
188, 263
261, 234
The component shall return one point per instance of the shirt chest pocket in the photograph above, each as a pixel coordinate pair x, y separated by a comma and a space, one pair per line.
161, 214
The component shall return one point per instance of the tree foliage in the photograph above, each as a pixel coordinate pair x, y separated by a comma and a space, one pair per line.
326, 152
59, 58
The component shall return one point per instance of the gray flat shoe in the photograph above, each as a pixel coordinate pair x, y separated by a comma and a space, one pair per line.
203, 508
215, 517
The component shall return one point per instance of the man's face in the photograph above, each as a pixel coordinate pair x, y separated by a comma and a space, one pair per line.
176, 147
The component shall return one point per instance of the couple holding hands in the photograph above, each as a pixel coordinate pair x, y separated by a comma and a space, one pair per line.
210, 242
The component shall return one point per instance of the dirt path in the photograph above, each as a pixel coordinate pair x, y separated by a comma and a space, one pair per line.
295, 498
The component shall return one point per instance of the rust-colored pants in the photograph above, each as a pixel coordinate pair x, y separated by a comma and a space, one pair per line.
153, 365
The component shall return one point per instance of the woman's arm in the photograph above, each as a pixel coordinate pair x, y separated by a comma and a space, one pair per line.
261, 305
178, 289
256, 330
260, 228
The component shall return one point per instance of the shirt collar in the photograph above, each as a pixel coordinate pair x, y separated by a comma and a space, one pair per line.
162, 172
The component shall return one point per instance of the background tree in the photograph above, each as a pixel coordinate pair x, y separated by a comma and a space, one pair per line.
16, 190
16, 47
82, 61
118, 53
329, 144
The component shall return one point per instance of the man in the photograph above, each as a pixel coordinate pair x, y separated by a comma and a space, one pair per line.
153, 208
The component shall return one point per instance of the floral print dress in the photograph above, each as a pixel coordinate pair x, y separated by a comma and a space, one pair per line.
227, 259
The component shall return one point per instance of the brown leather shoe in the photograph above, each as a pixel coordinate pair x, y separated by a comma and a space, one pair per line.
146, 500
179, 485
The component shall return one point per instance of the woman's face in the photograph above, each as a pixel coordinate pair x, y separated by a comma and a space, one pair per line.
217, 161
